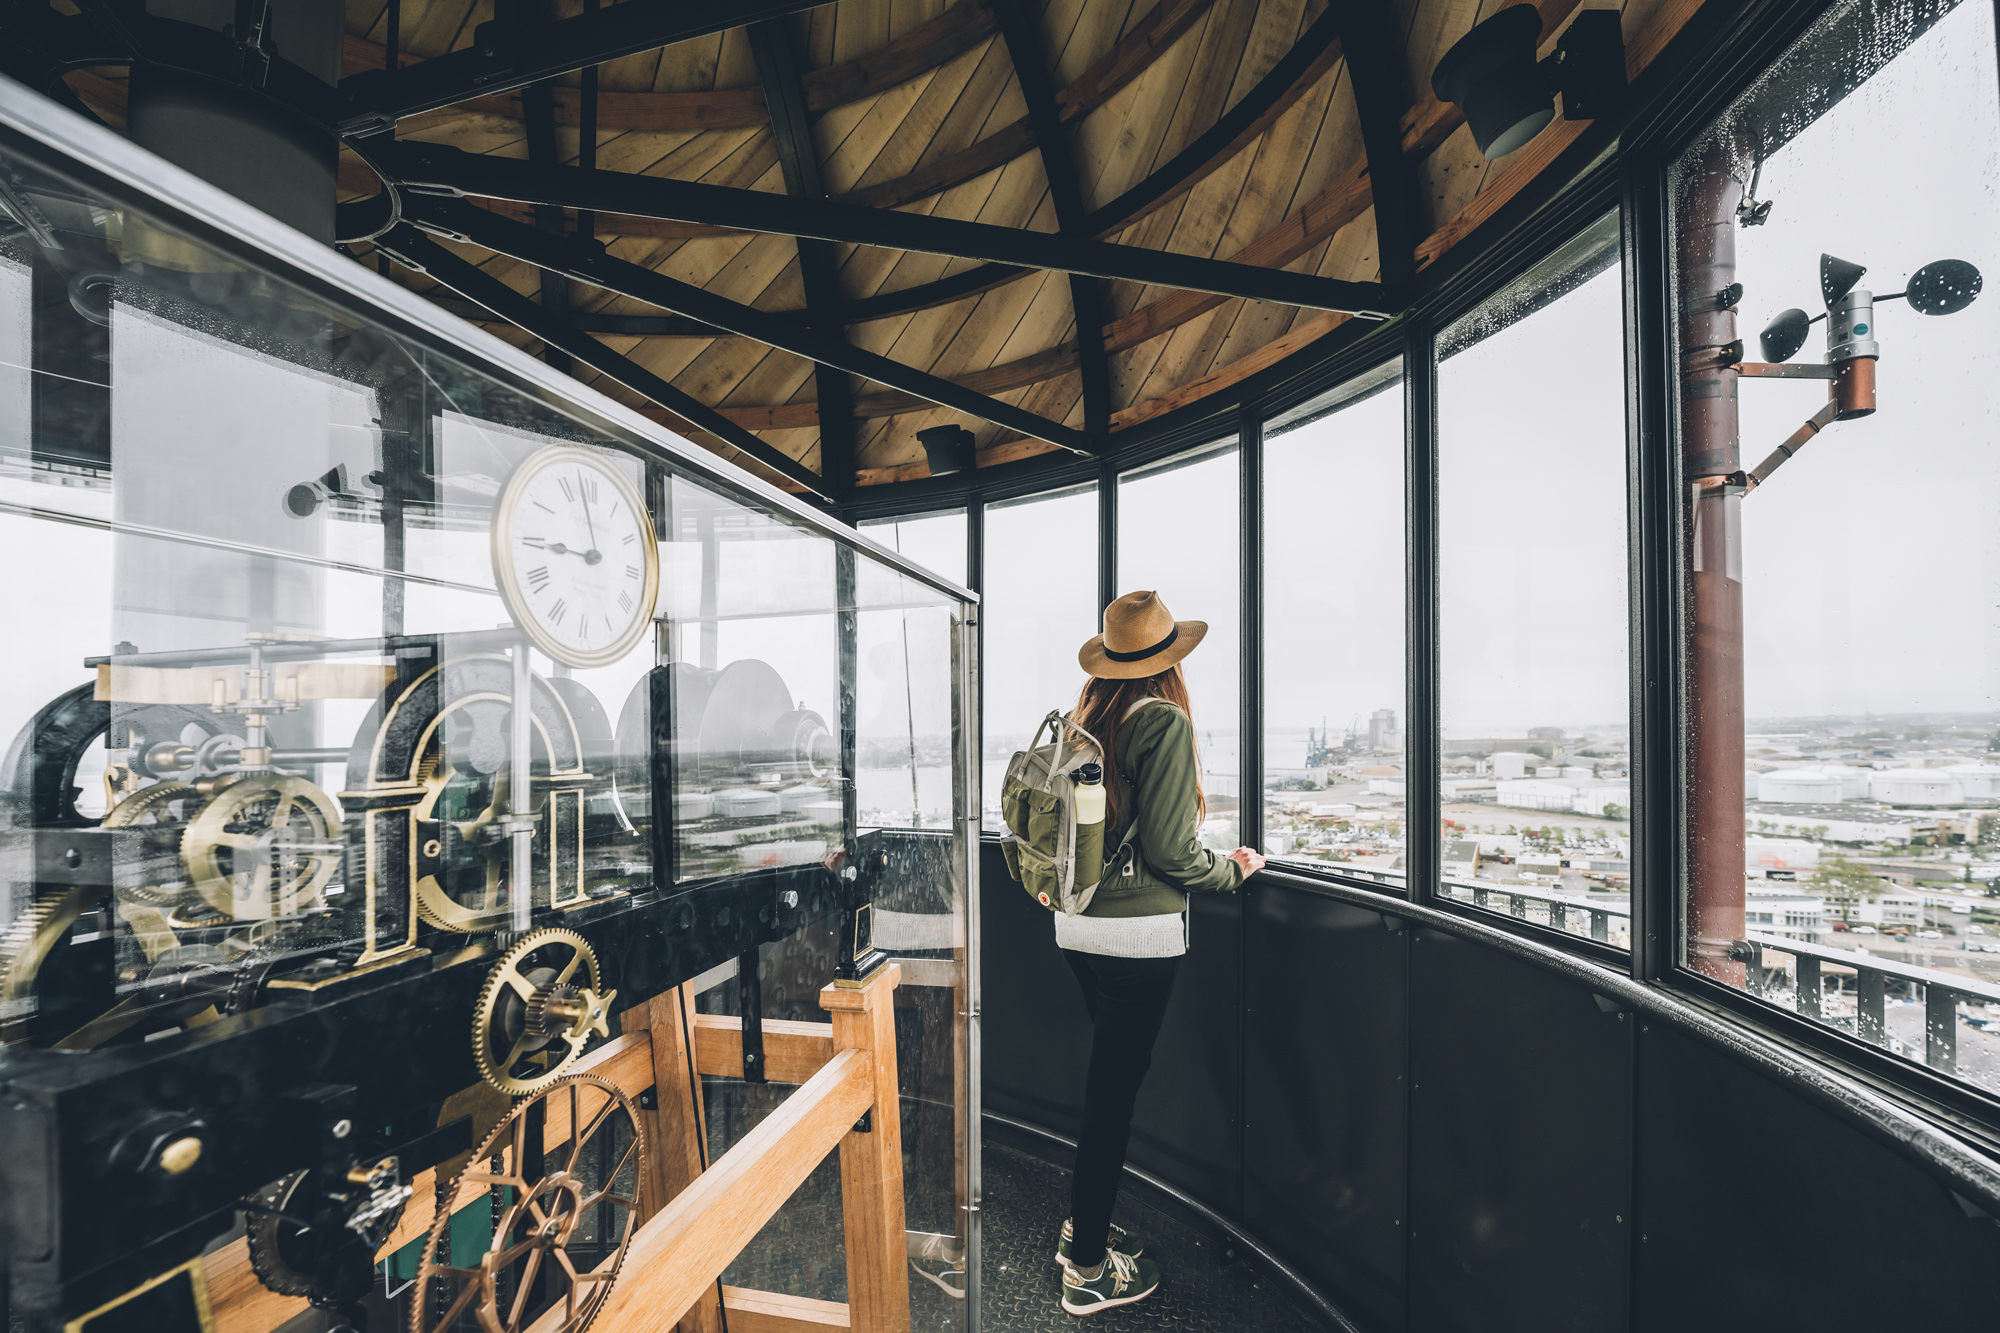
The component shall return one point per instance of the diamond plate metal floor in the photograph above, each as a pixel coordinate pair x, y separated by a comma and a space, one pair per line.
1026, 1199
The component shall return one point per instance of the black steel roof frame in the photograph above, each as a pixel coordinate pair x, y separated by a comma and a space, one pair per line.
1086, 294
819, 271
434, 169
504, 57
414, 250
1581, 184
588, 262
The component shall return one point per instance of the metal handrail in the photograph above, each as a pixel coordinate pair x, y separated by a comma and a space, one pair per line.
1968, 1170
1560, 905
1943, 991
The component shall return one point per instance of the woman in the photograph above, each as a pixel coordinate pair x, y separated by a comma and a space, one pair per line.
1126, 946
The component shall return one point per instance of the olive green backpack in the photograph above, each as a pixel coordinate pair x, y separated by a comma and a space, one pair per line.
1059, 862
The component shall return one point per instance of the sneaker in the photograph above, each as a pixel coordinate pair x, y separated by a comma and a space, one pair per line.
1125, 1242
940, 1262
1120, 1280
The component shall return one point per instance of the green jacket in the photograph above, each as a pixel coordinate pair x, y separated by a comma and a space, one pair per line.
1156, 764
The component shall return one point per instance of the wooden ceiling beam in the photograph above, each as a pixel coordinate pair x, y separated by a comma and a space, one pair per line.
414, 250
1086, 294
504, 57
1311, 57
1127, 59
918, 51
430, 169
781, 329
819, 270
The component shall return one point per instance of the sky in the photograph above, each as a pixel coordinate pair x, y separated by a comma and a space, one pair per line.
1871, 570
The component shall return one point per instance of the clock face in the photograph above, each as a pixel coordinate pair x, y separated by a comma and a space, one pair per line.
575, 556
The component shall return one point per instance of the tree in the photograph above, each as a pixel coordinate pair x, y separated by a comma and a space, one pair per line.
1845, 883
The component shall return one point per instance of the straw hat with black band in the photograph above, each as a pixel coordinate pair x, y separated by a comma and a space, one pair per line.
1141, 638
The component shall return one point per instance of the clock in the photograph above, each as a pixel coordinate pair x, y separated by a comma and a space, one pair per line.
575, 556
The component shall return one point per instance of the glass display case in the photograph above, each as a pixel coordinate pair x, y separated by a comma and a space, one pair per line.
402, 737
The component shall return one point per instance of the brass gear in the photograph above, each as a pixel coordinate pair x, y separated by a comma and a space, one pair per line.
276, 809
26, 944
143, 808
536, 1220
533, 1013
434, 903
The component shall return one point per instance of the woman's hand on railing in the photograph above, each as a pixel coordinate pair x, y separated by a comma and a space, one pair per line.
1249, 858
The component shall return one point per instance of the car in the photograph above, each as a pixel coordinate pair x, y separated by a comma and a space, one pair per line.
1975, 930
1840, 925
1863, 930
1930, 934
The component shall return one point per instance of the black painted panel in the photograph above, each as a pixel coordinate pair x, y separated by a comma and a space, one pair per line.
1520, 1141
1324, 1096
1762, 1211
1037, 1040
1188, 1129
1034, 1035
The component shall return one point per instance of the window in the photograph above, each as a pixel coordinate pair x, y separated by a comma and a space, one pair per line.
1179, 534
1039, 605
1333, 631
935, 541
1534, 686
1840, 656
903, 656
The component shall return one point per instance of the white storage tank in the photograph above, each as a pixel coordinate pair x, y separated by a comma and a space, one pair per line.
1806, 785
1916, 787
1980, 782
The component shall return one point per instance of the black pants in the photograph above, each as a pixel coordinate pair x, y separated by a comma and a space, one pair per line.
1127, 998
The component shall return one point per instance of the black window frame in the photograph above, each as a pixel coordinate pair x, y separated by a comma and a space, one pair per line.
1621, 165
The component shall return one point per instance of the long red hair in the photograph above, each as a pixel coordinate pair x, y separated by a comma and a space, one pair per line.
1102, 707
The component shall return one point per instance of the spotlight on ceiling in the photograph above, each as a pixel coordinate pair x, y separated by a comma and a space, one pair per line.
948, 449
1943, 287
1785, 335
1509, 97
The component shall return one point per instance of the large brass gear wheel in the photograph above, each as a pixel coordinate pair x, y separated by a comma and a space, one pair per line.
538, 1009
264, 847
152, 807
560, 1232
26, 944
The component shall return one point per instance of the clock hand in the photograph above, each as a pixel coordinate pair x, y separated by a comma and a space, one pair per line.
591, 557
583, 494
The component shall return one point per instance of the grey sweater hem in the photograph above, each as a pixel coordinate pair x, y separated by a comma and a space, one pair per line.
1158, 936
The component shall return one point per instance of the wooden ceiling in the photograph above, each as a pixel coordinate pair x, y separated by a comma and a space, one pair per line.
1231, 129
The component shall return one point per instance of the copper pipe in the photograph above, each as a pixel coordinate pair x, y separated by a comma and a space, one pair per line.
1712, 464
1796, 441
1854, 388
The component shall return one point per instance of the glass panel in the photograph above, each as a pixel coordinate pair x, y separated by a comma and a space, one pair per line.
1179, 534
1038, 606
1841, 677
759, 779
1533, 675
1333, 631
346, 670
904, 774
935, 541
